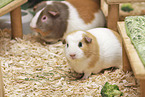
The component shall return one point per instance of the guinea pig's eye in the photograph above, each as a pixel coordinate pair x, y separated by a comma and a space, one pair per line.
67, 45
80, 44
44, 18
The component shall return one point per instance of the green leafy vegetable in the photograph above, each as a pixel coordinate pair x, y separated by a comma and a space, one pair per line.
109, 90
127, 7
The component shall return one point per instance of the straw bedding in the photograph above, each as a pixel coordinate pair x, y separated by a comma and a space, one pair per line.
33, 69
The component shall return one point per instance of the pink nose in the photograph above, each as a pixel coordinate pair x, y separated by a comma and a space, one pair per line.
72, 56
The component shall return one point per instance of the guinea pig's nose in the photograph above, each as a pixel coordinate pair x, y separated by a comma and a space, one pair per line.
72, 56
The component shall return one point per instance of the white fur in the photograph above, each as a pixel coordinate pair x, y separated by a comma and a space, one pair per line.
73, 45
77, 64
109, 46
75, 22
110, 51
35, 19
49, 2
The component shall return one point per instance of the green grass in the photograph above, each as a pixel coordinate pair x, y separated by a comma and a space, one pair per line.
135, 28
4, 2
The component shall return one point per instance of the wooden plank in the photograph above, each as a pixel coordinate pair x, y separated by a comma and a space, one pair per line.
104, 8
136, 64
126, 63
16, 23
113, 16
1, 84
14, 4
123, 1
142, 88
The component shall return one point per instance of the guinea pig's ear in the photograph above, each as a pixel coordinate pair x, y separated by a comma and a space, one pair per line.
39, 6
88, 39
53, 13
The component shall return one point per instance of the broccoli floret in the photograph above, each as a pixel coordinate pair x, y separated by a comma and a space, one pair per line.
109, 90
127, 7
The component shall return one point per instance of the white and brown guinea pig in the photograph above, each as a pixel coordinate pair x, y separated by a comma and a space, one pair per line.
93, 50
54, 18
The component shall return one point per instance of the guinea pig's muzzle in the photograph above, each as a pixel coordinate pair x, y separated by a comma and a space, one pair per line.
72, 56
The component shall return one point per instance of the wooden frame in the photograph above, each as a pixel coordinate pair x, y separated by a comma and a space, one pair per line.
113, 11
15, 12
132, 60
1, 83
113, 16
16, 23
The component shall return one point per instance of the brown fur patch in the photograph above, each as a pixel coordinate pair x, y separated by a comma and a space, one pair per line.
91, 50
118, 36
42, 33
86, 8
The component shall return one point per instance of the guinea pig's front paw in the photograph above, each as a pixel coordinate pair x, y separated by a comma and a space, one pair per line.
86, 75
79, 76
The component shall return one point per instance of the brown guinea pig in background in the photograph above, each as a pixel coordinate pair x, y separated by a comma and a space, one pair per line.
55, 18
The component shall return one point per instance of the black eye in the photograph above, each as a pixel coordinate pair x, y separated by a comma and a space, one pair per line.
44, 18
67, 45
80, 44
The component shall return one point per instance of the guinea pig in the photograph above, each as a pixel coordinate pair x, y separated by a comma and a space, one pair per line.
93, 50
54, 18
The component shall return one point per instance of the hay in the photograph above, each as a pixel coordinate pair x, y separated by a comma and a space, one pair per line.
32, 69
